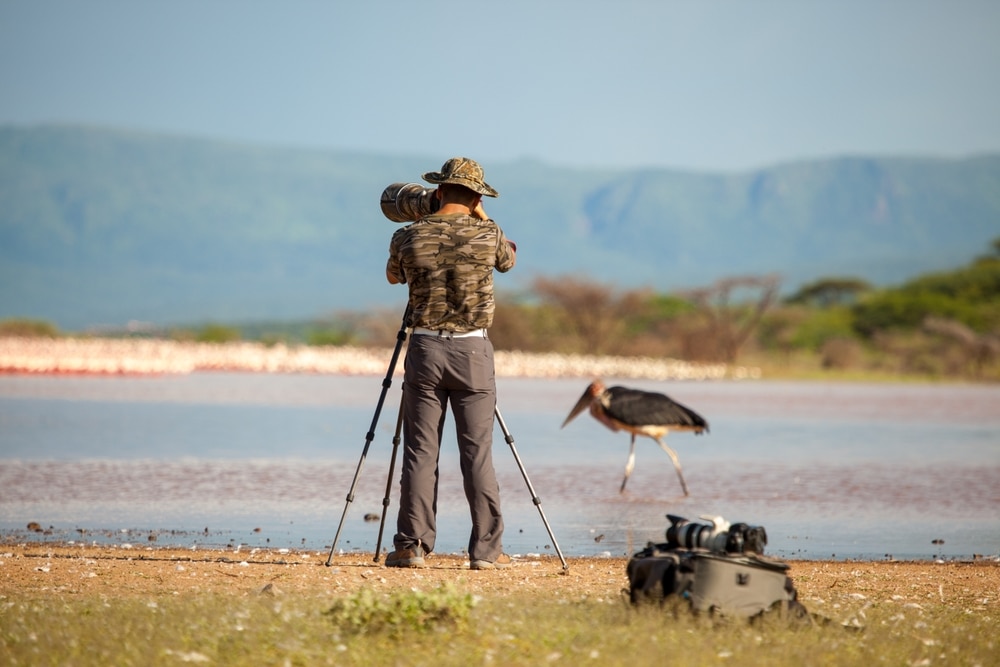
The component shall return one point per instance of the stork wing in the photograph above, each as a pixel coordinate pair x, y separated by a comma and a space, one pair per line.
646, 408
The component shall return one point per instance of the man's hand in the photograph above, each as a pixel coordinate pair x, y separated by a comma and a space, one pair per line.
479, 211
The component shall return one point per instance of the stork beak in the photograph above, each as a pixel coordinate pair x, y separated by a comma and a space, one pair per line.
580, 406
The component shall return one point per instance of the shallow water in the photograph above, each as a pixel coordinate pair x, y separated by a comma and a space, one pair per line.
830, 470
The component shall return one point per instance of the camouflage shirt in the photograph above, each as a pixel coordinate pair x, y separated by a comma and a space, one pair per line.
448, 262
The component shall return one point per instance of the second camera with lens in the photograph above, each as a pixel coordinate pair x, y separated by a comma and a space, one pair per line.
406, 202
720, 536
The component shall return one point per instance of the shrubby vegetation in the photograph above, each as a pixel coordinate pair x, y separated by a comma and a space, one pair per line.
218, 333
944, 325
937, 325
28, 328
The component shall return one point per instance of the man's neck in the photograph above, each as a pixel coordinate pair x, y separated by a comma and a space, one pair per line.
452, 208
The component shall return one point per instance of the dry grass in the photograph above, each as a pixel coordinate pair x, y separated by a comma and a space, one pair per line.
105, 605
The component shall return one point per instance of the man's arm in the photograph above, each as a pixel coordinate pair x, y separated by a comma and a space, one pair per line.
506, 252
393, 268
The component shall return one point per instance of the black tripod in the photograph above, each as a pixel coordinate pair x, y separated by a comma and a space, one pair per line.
386, 383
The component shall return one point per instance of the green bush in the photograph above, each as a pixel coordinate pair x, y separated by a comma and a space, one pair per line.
968, 295
977, 283
334, 337
218, 333
25, 328
834, 323
796, 327
904, 309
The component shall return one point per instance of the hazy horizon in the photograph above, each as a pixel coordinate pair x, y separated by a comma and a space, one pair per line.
693, 86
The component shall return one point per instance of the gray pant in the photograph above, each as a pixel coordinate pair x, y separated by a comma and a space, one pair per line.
440, 371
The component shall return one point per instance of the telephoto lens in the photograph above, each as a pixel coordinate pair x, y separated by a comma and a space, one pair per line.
684, 534
721, 536
406, 202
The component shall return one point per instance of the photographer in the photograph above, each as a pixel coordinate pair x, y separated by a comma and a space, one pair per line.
447, 259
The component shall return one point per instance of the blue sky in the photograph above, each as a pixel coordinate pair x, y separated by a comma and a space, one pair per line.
711, 86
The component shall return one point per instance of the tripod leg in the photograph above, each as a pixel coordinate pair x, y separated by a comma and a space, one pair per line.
388, 480
534, 497
386, 383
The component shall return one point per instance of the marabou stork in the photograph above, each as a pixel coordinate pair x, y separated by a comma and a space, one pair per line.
640, 413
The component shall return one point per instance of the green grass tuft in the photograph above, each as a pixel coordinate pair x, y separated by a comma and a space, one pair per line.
366, 612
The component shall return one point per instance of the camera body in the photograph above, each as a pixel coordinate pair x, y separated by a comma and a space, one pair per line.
406, 202
720, 536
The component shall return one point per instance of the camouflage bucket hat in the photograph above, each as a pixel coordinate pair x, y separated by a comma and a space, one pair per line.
463, 171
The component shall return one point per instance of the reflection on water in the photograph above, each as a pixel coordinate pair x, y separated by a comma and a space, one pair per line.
831, 471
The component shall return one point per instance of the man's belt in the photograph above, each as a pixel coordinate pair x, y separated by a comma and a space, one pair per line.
444, 333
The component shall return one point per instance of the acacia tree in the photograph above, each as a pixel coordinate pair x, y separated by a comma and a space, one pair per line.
727, 326
596, 315
827, 292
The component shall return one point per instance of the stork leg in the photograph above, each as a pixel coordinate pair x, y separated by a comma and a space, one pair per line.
630, 465
673, 457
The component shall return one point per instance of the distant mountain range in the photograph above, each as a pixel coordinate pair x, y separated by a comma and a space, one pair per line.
101, 226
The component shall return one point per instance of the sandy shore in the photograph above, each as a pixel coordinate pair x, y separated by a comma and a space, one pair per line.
108, 571
146, 356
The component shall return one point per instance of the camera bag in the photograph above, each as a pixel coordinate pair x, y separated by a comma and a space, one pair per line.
743, 584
